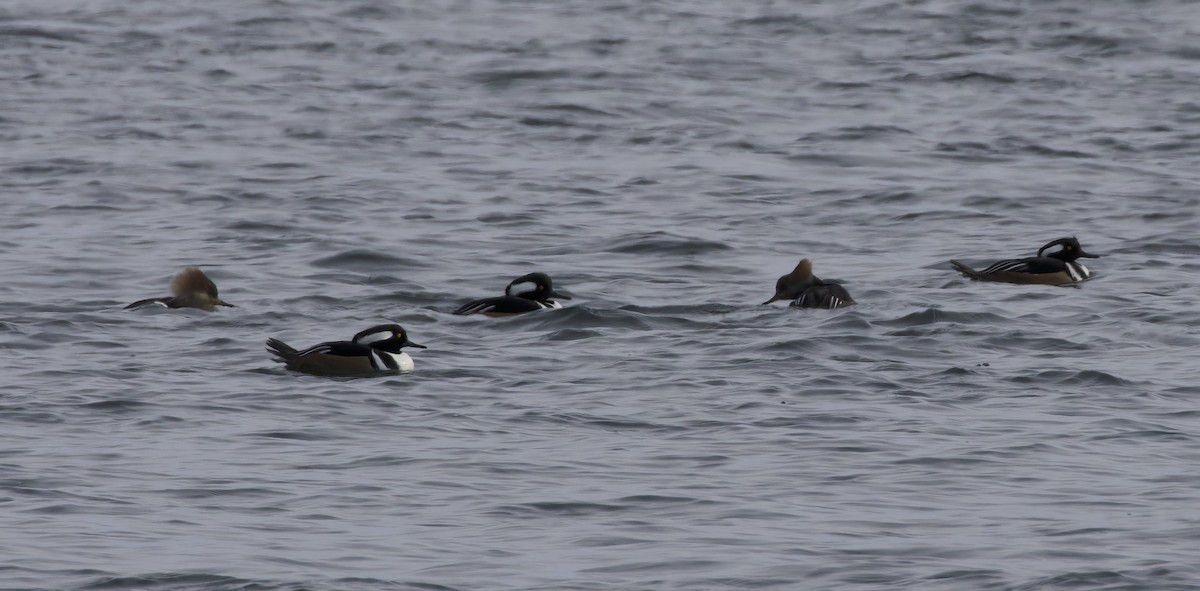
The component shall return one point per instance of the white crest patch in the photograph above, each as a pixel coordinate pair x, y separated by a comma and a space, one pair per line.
374, 337
517, 289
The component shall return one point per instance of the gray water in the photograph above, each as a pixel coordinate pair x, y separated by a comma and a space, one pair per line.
335, 165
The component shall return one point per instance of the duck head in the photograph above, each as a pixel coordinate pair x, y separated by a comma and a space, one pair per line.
386, 337
1071, 250
194, 289
535, 286
790, 286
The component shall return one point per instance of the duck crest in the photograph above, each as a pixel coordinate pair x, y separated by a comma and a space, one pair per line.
793, 284
192, 280
802, 271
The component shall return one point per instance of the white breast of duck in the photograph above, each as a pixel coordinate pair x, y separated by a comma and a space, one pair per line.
401, 360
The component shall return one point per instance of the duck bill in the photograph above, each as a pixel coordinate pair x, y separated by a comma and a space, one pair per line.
225, 303
774, 298
1088, 255
412, 344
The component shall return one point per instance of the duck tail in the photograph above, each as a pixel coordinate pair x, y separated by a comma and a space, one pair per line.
967, 272
283, 351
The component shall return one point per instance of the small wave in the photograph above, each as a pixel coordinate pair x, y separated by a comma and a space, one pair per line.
218, 74
119, 405
317, 46
936, 316
1041, 150
379, 461
1072, 377
309, 435
282, 165
513, 218
665, 565
843, 85
611, 424
304, 134
574, 317
172, 582
888, 197
95, 207
985, 77
560, 509
56, 166
976, 147
132, 133
253, 227
663, 243
265, 21
604, 541
1091, 44
38, 33
993, 203
573, 334
1102, 579
660, 500
545, 122
573, 109
505, 78
791, 20
856, 132
372, 12
367, 261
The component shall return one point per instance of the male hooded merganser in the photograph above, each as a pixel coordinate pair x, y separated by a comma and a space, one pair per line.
807, 291
1056, 268
524, 294
191, 288
372, 351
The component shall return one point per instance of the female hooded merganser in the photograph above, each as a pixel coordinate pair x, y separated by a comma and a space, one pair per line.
524, 294
372, 351
807, 291
1056, 268
191, 288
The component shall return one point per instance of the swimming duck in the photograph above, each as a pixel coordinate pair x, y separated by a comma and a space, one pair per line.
190, 288
807, 291
372, 351
1056, 268
526, 293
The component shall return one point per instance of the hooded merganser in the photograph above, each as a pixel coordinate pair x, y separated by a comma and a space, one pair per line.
372, 351
524, 294
808, 291
1056, 268
190, 288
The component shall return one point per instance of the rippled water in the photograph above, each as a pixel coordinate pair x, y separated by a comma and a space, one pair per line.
334, 165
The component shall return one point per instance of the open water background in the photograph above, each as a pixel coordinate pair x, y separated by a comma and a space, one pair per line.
333, 165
